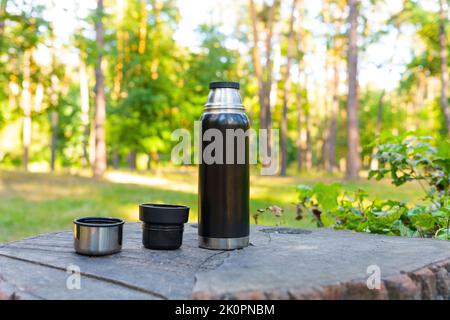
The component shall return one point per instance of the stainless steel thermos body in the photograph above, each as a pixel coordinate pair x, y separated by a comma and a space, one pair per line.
224, 184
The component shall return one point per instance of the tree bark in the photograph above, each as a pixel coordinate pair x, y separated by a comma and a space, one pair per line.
286, 91
84, 96
26, 106
353, 159
443, 56
100, 102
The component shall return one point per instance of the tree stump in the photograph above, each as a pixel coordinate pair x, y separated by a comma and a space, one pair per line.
280, 263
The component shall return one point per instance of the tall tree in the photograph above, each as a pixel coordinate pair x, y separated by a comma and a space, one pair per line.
100, 101
256, 57
287, 89
271, 19
333, 16
263, 74
443, 55
353, 159
300, 52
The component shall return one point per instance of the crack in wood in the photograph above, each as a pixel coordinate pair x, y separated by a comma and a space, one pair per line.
13, 292
92, 276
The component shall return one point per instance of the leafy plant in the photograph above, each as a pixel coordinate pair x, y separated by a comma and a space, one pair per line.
410, 159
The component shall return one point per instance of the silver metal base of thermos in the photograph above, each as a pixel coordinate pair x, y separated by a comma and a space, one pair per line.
223, 243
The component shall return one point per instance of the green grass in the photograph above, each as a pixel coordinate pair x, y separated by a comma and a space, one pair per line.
33, 203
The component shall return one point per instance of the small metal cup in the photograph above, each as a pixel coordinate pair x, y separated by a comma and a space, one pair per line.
97, 236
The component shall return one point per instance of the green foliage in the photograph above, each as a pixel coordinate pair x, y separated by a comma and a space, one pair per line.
332, 206
153, 88
410, 159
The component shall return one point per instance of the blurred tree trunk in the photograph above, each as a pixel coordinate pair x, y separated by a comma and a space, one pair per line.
299, 127
156, 157
328, 88
100, 102
443, 55
92, 144
353, 159
54, 93
115, 159
143, 28
299, 91
332, 134
380, 113
26, 106
256, 56
84, 96
308, 149
132, 160
2, 17
379, 124
118, 68
54, 128
269, 65
336, 54
149, 161
419, 99
155, 43
287, 89
264, 74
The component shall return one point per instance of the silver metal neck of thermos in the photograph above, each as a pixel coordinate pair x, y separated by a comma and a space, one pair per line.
224, 100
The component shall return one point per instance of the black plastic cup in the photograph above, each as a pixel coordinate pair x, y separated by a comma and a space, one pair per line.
163, 225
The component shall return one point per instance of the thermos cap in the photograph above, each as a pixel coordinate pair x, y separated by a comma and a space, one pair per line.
163, 213
224, 84
98, 236
163, 225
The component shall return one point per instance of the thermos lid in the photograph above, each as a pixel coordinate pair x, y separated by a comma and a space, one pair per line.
98, 236
224, 84
163, 213
163, 225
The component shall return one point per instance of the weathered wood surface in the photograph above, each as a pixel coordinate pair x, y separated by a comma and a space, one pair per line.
286, 263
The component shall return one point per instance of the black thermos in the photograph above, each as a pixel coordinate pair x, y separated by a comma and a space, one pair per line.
223, 191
